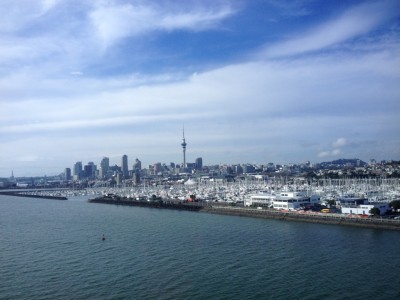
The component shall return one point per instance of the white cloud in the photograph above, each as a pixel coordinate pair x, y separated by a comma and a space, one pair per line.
28, 158
329, 154
48, 5
336, 151
268, 89
340, 142
353, 23
323, 154
115, 22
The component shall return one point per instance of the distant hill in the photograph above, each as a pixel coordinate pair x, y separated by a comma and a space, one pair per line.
343, 162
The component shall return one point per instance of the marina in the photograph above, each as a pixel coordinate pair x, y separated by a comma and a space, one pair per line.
238, 192
339, 202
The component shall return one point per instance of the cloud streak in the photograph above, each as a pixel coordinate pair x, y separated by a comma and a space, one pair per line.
351, 24
118, 21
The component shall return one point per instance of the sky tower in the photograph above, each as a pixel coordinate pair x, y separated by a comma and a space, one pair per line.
184, 148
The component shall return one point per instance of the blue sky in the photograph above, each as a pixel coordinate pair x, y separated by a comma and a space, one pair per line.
252, 81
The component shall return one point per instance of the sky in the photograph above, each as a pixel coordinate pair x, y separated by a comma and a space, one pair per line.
250, 81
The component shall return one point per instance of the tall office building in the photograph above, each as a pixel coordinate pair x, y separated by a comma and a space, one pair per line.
199, 163
94, 168
157, 168
124, 166
136, 177
77, 170
67, 174
89, 170
104, 166
137, 165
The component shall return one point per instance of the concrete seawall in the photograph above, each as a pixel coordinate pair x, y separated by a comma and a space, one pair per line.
311, 218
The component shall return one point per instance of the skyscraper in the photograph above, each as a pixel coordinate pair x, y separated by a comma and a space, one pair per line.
124, 166
199, 163
137, 165
77, 170
67, 174
104, 166
184, 148
157, 168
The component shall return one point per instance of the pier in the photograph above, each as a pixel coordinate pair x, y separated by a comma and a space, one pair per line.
28, 194
157, 203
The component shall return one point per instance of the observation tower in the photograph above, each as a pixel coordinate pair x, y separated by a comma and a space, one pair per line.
184, 148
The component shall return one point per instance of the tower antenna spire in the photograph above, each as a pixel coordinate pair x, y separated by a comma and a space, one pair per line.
184, 147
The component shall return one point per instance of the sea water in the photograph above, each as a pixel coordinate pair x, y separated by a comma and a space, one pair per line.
51, 249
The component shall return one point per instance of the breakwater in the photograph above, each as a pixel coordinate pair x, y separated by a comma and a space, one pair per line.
333, 219
33, 195
157, 203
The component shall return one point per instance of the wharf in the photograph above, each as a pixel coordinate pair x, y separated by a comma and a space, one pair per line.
169, 204
24, 194
333, 219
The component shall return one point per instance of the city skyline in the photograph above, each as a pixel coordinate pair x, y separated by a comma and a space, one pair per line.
253, 82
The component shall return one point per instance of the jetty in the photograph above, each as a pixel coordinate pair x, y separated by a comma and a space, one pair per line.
153, 203
33, 194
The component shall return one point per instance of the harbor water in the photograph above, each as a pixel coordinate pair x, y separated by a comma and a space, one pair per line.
51, 249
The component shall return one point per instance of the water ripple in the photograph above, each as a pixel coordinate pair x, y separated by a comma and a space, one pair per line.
53, 250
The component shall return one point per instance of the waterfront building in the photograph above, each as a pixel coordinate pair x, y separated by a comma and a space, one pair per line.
265, 199
364, 209
351, 200
124, 166
289, 200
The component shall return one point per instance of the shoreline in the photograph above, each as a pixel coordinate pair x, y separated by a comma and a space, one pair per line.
342, 220
310, 218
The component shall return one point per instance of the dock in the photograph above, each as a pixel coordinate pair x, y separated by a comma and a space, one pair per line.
157, 203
